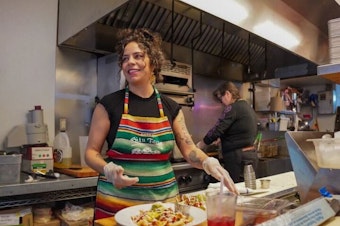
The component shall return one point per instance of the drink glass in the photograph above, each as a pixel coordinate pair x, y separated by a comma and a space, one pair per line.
220, 208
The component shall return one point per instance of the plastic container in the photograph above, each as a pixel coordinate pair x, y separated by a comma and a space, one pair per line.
82, 148
273, 126
327, 151
252, 211
10, 167
283, 124
62, 150
269, 149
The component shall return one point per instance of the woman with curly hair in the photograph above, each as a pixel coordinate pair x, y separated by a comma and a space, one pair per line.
141, 126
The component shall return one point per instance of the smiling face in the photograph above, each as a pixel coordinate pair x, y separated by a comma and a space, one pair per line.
136, 65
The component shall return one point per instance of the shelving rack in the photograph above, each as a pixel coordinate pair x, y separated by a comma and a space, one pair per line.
47, 190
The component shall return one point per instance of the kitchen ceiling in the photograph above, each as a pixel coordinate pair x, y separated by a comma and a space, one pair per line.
183, 25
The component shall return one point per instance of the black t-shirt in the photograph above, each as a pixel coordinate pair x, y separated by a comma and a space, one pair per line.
138, 106
236, 127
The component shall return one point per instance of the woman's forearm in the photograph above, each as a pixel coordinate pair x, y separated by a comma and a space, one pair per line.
95, 160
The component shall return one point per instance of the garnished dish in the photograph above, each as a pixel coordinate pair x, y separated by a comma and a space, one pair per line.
159, 214
192, 200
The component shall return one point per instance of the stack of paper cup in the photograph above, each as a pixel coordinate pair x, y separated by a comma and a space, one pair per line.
249, 176
334, 40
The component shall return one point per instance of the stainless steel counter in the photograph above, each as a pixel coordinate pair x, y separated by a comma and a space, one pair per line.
46, 190
281, 186
67, 188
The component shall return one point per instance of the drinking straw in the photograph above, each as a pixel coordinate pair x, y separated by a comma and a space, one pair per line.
221, 198
221, 186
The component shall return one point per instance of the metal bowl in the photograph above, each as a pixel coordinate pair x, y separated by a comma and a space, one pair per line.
182, 208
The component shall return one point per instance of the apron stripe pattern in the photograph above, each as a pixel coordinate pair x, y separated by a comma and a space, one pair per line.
142, 157
142, 147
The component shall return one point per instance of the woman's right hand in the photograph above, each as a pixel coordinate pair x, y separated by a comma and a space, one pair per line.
212, 167
217, 142
114, 174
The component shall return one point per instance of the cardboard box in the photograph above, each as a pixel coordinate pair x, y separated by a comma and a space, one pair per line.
21, 216
52, 222
65, 222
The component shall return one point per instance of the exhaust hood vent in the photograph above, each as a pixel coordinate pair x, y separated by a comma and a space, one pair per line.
189, 28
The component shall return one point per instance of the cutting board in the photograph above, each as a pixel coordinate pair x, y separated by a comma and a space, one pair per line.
78, 172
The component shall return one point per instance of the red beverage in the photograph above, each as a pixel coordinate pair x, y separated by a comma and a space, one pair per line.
221, 221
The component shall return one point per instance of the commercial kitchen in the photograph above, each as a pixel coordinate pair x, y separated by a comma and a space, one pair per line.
58, 58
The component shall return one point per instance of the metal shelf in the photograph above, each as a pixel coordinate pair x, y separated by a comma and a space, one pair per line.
47, 190
46, 197
330, 72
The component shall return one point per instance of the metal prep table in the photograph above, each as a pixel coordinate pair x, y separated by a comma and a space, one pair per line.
281, 185
46, 190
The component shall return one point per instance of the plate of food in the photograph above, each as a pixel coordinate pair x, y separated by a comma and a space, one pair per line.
159, 213
192, 200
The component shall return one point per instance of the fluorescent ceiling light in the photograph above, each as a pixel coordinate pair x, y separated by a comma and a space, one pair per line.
276, 34
229, 10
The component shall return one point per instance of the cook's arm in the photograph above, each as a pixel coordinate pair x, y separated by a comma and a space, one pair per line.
196, 157
100, 126
185, 143
214, 134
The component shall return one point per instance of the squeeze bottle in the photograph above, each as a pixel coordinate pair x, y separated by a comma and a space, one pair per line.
62, 151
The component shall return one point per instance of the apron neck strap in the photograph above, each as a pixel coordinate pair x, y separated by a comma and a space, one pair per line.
158, 96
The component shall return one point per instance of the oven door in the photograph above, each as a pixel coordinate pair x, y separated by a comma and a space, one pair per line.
190, 179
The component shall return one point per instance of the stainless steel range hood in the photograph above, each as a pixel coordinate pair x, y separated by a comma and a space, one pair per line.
92, 26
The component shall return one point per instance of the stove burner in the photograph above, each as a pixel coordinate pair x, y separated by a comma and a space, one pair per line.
189, 178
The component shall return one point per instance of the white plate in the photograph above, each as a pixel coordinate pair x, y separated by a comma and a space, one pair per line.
123, 217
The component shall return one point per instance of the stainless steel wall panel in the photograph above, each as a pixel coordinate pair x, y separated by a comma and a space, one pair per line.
76, 88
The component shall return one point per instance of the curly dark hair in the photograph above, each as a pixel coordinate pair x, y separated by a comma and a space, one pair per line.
149, 42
